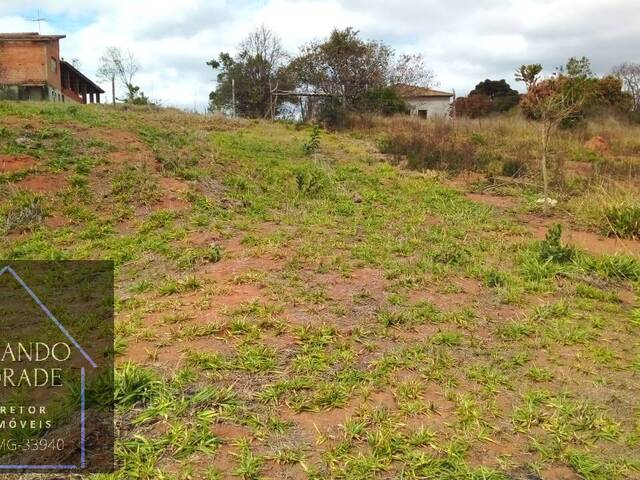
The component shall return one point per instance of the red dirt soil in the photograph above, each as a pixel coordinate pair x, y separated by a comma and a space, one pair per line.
43, 183
15, 163
538, 226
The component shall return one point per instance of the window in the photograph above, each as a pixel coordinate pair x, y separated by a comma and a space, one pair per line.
422, 113
53, 64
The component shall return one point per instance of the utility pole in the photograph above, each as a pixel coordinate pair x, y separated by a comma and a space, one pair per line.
233, 96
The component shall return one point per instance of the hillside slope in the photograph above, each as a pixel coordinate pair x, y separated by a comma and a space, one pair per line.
325, 315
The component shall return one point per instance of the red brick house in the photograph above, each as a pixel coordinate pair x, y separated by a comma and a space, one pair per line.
31, 69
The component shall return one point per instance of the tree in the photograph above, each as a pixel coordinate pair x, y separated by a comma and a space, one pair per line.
410, 70
629, 75
343, 65
114, 65
473, 106
255, 72
354, 74
384, 100
577, 68
488, 96
607, 95
550, 102
528, 74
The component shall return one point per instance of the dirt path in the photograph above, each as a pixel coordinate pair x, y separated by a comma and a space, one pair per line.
538, 226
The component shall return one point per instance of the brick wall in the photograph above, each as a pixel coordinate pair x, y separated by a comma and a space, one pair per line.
53, 77
24, 62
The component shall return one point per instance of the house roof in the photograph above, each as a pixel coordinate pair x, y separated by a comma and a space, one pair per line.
92, 86
30, 36
412, 91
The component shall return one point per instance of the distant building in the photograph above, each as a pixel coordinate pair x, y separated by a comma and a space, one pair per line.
425, 102
31, 69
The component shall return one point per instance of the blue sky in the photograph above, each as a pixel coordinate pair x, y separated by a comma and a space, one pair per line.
463, 41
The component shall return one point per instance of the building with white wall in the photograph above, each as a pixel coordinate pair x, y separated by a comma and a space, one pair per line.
425, 102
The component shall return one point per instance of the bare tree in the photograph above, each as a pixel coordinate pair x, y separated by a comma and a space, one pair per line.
411, 70
550, 102
265, 44
629, 74
115, 64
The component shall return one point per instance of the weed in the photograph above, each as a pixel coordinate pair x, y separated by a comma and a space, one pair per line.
22, 210
135, 384
313, 143
623, 220
311, 180
135, 185
249, 464
552, 248
256, 358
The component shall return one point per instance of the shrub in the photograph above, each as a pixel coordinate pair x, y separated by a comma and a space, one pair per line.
514, 168
434, 146
552, 248
383, 100
333, 114
622, 219
311, 180
313, 144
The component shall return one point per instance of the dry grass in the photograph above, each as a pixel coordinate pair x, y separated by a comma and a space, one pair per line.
595, 167
490, 141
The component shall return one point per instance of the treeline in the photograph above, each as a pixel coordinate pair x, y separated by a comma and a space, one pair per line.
616, 93
330, 77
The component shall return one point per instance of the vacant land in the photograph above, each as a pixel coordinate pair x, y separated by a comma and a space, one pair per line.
285, 312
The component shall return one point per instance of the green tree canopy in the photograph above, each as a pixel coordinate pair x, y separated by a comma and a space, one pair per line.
253, 73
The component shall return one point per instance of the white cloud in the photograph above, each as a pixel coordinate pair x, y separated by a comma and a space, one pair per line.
464, 41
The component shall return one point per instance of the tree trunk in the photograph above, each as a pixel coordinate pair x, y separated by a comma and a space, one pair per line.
113, 90
545, 177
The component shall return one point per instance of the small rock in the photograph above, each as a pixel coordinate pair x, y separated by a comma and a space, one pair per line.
357, 198
23, 142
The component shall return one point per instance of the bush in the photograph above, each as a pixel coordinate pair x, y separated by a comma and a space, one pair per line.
552, 248
333, 114
311, 180
382, 100
514, 168
432, 147
313, 144
622, 220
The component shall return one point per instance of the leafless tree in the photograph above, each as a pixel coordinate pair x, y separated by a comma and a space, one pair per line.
265, 44
411, 70
629, 74
550, 103
116, 64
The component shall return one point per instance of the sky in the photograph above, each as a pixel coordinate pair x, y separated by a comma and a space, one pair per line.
462, 41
